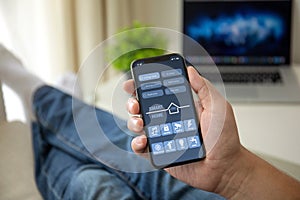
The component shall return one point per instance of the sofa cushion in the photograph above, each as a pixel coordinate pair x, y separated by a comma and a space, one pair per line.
16, 166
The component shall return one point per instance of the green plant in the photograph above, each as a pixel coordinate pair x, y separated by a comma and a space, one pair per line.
134, 42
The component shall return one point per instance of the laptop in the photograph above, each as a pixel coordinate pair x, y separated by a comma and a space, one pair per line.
249, 42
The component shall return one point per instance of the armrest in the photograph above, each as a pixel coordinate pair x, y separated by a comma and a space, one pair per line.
2, 106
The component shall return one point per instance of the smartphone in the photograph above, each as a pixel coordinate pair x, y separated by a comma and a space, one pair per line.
167, 107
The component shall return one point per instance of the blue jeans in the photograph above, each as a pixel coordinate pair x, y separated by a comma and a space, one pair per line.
65, 169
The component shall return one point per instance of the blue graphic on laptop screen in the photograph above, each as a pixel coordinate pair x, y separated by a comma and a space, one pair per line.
253, 31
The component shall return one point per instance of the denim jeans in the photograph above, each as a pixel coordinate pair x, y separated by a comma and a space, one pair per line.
65, 169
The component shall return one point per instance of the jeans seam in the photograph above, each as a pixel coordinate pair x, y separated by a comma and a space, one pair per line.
118, 174
72, 145
136, 189
52, 189
60, 137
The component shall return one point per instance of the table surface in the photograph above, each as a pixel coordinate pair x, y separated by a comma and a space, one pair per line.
271, 129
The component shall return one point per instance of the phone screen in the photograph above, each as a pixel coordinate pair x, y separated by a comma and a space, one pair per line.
168, 111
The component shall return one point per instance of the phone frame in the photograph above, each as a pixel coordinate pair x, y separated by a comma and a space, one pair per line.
156, 59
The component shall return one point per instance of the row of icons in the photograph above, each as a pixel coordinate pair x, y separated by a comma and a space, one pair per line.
172, 128
175, 145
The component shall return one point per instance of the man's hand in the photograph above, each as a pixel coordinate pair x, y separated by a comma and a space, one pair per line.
217, 125
228, 169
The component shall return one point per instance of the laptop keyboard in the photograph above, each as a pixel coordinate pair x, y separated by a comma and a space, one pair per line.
261, 77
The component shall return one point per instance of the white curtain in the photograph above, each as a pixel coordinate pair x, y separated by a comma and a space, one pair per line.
53, 37
39, 32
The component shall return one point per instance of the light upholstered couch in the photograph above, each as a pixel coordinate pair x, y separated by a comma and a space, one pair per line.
16, 160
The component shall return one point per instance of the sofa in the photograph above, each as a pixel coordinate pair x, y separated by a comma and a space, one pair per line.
16, 165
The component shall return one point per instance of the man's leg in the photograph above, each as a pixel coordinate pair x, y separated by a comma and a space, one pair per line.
55, 113
60, 175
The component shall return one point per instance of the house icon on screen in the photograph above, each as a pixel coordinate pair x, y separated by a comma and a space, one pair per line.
174, 108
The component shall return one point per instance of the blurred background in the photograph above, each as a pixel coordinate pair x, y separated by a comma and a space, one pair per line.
53, 37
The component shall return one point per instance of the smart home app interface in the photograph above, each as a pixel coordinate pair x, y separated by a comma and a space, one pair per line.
168, 110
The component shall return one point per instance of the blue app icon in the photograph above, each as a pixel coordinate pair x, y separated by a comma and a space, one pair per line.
189, 125
154, 131
181, 144
193, 142
166, 129
170, 146
177, 127
157, 148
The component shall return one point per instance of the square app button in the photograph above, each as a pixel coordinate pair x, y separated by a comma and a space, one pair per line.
189, 125
181, 144
177, 127
193, 142
170, 146
158, 148
154, 131
166, 129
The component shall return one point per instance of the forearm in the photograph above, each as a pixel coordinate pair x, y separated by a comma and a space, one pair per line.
250, 177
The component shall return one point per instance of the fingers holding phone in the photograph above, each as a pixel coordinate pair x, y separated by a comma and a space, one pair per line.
166, 104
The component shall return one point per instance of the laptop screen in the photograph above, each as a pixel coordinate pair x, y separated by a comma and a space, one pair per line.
239, 32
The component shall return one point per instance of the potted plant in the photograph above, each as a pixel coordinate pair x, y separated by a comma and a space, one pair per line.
134, 42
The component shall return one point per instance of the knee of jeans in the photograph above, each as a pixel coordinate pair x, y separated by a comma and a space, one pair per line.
96, 183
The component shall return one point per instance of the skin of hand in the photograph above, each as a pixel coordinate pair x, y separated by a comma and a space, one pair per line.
228, 169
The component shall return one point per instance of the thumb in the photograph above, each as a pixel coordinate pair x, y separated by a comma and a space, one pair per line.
200, 86
214, 107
